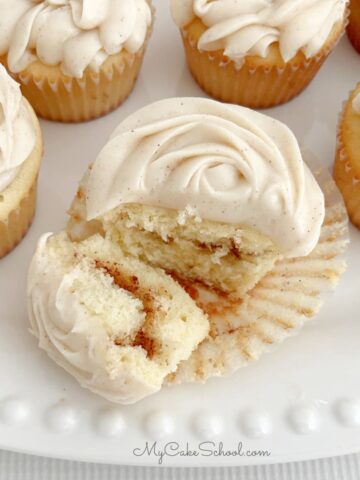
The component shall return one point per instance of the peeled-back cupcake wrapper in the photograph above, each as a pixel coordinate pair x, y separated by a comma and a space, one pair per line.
95, 94
279, 305
351, 189
14, 228
258, 87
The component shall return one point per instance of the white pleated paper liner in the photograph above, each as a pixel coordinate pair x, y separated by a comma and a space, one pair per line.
291, 294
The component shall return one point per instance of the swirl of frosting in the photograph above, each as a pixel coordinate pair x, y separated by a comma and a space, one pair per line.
74, 34
249, 27
228, 163
17, 135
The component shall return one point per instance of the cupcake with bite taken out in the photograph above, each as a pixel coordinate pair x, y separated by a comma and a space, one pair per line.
198, 238
211, 192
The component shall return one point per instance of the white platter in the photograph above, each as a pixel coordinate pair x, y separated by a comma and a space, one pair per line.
300, 402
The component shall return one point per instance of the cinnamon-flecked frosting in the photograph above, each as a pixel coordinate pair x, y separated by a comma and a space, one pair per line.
17, 134
249, 27
74, 34
228, 163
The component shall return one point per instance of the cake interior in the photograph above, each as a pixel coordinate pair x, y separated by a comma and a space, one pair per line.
139, 320
226, 258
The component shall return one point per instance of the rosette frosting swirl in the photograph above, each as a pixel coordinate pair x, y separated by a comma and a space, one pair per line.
74, 34
17, 135
249, 27
228, 163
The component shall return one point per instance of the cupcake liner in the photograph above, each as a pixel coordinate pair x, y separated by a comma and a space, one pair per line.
346, 179
65, 99
251, 86
277, 307
15, 227
18, 200
353, 29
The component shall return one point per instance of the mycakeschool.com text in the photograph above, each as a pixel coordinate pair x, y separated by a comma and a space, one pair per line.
203, 449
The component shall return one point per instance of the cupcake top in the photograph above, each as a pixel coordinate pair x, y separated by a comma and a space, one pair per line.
17, 134
221, 162
74, 34
249, 27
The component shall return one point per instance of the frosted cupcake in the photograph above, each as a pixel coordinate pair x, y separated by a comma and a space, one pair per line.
197, 238
353, 29
257, 53
209, 192
347, 162
75, 60
20, 157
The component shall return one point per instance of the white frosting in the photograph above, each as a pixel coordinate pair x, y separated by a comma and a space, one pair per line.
228, 163
17, 134
356, 103
249, 27
74, 34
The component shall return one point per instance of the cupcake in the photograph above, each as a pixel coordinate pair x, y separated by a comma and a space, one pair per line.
117, 325
198, 238
212, 193
20, 157
353, 29
74, 60
347, 161
257, 53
